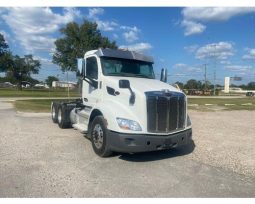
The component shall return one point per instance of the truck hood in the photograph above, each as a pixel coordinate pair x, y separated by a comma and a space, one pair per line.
142, 84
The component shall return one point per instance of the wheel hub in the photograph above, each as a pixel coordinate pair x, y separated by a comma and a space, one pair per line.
98, 136
59, 116
53, 112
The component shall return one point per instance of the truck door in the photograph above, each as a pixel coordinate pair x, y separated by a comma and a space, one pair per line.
90, 94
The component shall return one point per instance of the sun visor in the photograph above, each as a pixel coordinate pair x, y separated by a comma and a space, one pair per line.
124, 54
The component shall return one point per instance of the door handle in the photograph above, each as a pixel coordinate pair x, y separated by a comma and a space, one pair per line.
85, 99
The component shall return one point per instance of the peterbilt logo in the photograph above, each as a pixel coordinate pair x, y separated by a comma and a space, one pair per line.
166, 92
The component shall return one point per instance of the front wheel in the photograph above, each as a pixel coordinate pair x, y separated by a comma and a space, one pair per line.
99, 137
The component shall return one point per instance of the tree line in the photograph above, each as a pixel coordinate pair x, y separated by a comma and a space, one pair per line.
17, 68
200, 85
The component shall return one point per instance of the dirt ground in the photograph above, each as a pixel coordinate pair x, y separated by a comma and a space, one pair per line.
225, 139
40, 160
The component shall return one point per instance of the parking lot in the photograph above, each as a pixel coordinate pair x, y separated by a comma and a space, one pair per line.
40, 160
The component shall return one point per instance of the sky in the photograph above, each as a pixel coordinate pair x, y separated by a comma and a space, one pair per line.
183, 40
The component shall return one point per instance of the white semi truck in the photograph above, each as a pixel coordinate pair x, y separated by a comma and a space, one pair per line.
123, 108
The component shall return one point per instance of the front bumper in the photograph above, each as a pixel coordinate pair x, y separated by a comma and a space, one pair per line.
131, 143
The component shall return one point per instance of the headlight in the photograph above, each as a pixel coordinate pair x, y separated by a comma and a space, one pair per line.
188, 121
128, 124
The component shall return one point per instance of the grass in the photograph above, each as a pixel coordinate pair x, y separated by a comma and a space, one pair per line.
11, 92
218, 103
35, 105
43, 105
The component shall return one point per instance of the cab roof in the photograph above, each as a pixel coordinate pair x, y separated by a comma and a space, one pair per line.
119, 53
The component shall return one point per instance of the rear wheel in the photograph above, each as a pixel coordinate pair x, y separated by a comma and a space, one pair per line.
54, 114
62, 117
99, 137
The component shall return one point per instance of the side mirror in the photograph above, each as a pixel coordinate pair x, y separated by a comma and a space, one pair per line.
124, 84
81, 70
163, 76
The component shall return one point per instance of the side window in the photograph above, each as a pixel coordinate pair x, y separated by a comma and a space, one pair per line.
91, 68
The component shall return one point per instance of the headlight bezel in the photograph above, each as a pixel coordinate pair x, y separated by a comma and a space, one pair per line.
128, 124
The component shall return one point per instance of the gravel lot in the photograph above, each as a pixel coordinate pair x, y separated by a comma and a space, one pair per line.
40, 160
225, 139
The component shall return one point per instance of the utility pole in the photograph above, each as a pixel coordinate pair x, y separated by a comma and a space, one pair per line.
214, 85
214, 74
205, 78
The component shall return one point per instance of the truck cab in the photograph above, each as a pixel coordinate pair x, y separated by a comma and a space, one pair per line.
123, 108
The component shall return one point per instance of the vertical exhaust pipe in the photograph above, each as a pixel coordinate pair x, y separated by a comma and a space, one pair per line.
163, 76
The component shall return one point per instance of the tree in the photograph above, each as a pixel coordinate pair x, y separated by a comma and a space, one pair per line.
180, 84
4, 52
50, 79
251, 86
78, 39
193, 84
3, 45
21, 68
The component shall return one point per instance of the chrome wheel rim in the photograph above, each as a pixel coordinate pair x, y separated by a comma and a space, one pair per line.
59, 116
53, 112
98, 136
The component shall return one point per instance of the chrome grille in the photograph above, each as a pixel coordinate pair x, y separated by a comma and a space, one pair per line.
166, 111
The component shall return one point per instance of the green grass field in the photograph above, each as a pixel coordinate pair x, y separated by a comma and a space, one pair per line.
211, 104
35, 105
4, 92
39, 105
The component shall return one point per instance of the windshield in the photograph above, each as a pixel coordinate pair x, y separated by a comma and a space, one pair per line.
127, 68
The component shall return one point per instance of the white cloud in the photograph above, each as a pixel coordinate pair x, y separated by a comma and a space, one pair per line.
250, 54
6, 35
214, 13
191, 27
238, 68
131, 33
130, 36
221, 51
180, 65
106, 25
244, 70
193, 16
33, 27
225, 62
102, 24
179, 75
94, 12
135, 29
139, 47
191, 48
43, 60
188, 68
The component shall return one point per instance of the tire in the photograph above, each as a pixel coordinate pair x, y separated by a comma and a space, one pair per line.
54, 112
63, 121
99, 137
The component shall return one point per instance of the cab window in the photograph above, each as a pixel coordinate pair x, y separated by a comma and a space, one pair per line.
91, 68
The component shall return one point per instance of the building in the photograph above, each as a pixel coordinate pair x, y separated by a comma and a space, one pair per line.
63, 84
235, 90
